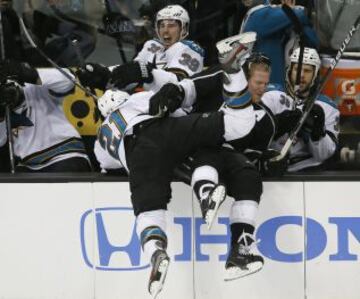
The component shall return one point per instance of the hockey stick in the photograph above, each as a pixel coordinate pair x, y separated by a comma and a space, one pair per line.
53, 63
284, 151
300, 32
7, 109
81, 59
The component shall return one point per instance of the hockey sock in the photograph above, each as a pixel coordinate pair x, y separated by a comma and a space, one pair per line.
152, 239
236, 231
151, 227
242, 218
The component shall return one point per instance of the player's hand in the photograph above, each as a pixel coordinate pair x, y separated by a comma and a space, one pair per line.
315, 123
20, 72
287, 121
167, 99
290, 3
11, 94
94, 75
132, 72
273, 168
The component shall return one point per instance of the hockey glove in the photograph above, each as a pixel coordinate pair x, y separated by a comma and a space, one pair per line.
11, 94
94, 75
273, 168
133, 72
167, 99
315, 123
286, 121
20, 72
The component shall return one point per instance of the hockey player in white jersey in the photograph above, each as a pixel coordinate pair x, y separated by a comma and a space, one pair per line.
44, 140
167, 59
150, 148
317, 141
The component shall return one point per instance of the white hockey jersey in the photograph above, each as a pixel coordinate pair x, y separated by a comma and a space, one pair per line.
184, 57
305, 152
121, 122
42, 135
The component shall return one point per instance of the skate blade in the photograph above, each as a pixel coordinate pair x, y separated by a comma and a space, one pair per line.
156, 286
234, 273
219, 195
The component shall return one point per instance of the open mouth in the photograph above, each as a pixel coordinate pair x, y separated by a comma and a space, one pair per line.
167, 39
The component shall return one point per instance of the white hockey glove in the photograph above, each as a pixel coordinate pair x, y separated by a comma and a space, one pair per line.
234, 50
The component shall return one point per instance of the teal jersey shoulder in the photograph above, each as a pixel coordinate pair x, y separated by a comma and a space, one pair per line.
194, 46
325, 99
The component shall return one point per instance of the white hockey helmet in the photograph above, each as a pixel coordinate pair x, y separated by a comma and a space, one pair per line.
310, 57
174, 12
111, 100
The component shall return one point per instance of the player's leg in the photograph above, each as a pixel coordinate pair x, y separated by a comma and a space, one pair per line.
151, 227
150, 176
205, 183
244, 185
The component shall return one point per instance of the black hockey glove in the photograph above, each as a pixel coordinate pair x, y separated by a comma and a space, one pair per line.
286, 121
273, 168
11, 95
167, 99
20, 72
94, 75
132, 72
315, 123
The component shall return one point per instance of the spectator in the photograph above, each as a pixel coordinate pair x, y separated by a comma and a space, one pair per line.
275, 33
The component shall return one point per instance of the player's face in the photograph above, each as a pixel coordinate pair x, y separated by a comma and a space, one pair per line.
169, 31
257, 84
307, 74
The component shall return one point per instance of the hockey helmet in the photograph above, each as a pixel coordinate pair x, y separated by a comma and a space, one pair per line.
174, 12
111, 100
310, 57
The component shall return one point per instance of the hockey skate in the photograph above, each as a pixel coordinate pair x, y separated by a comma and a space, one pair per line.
211, 204
241, 262
234, 50
160, 263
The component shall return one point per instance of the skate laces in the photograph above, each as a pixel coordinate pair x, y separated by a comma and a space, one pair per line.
247, 247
